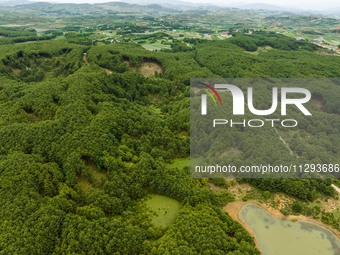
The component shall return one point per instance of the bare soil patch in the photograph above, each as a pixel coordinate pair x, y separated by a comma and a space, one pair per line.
230, 152
108, 71
318, 104
16, 71
322, 52
260, 50
150, 69
85, 59
239, 190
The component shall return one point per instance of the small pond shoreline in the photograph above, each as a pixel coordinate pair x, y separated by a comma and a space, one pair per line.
234, 208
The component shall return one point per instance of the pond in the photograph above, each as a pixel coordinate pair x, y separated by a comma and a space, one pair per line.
276, 236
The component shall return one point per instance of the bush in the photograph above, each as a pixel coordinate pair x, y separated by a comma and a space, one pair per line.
297, 207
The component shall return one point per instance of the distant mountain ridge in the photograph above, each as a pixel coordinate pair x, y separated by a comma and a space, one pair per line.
13, 3
54, 9
179, 6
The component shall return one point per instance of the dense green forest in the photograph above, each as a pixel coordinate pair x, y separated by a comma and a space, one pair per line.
87, 135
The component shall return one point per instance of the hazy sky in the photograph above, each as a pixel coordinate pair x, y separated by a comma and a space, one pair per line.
301, 4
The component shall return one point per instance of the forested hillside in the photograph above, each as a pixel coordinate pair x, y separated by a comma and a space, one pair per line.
88, 134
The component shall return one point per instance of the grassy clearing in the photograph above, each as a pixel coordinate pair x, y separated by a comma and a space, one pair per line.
84, 184
155, 109
164, 210
98, 175
180, 163
59, 37
183, 134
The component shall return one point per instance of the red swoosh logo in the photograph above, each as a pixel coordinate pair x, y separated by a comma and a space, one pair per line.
213, 90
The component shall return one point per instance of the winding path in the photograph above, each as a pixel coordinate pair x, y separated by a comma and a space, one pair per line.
84, 58
336, 188
284, 142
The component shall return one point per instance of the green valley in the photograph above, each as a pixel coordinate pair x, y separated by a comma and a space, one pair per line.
95, 127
